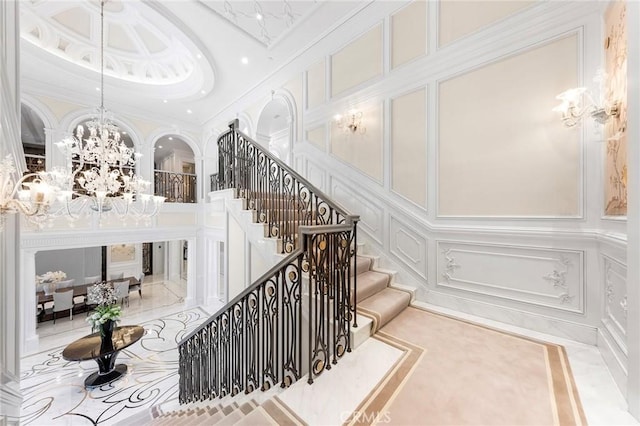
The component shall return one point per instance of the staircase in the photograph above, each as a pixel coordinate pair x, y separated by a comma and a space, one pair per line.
297, 319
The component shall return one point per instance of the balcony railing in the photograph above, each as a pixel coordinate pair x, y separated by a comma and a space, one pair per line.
175, 187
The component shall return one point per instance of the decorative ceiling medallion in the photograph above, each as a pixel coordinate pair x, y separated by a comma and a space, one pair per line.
267, 21
141, 46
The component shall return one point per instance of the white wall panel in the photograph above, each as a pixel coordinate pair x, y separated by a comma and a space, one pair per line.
358, 202
316, 175
615, 298
545, 277
408, 245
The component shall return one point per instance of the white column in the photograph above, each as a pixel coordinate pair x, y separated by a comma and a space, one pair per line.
633, 212
28, 289
10, 339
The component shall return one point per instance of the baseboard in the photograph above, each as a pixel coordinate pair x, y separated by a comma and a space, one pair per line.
614, 357
10, 402
511, 316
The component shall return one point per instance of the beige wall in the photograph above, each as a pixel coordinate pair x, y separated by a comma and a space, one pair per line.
359, 61
409, 146
317, 136
362, 151
409, 33
459, 18
316, 85
502, 150
294, 87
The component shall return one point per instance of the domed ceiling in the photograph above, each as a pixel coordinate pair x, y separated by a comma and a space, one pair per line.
140, 45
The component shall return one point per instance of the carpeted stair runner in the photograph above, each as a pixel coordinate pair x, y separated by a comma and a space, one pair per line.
375, 299
271, 412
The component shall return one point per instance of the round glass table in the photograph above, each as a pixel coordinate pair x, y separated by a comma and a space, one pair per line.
104, 353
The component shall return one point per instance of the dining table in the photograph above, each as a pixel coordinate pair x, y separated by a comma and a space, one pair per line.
81, 290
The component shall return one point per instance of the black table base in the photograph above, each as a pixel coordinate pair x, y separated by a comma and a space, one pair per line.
98, 379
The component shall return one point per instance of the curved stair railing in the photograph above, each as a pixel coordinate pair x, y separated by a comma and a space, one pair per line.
294, 320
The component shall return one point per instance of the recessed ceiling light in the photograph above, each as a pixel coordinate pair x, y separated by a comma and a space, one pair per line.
124, 133
164, 101
189, 111
170, 138
97, 89
258, 16
199, 56
160, 146
244, 60
203, 92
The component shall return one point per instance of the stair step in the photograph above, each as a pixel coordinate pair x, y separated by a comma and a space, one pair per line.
257, 417
230, 419
385, 305
363, 264
370, 283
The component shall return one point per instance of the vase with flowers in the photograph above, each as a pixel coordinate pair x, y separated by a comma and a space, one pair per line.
107, 312
47, 281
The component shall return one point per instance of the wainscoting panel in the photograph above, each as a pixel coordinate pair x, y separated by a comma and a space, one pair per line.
408, 245
549, 278
371, 215
615, 299
316, 175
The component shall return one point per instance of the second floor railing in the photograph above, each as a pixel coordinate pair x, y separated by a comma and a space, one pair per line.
175, 187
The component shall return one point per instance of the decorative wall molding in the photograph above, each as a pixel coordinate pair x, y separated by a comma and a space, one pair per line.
408, 245
615, 300
514, 273
371, 215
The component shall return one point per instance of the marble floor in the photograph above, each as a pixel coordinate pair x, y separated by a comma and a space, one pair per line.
152, 376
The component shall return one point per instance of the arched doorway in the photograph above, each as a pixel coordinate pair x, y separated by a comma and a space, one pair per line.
33, 139
273, 131
174, 170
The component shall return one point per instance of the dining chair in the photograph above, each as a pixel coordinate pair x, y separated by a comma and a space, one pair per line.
63, 300
138, 286
122, 291
92, 280
118, 276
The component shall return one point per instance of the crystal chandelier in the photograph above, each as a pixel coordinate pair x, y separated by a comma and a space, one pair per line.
100, 169
99, 175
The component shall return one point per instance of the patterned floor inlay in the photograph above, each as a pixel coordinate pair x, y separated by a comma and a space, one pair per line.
54, 390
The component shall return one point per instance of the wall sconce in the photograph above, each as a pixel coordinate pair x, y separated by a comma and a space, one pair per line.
350, 122
33, 197
572, 108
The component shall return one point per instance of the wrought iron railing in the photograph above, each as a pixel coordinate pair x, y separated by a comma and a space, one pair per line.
175, 187
295, 319
213, 182
281, 198
257, 341
35, 163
